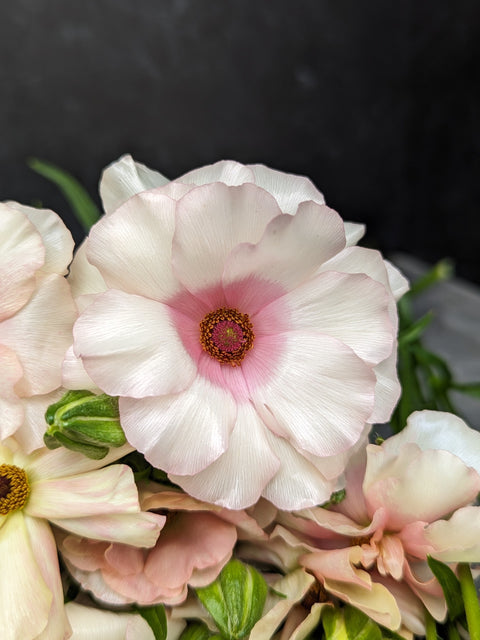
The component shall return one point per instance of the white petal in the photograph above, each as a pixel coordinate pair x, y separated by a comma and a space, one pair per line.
291, 249
298, 484
227, 171
350, 307
40, 334
84, 278
211, 221
45, 552
181, 433
130, 347
89, 623
387, 389
30, 433
11, 409
123, 179
398, 283
105, 491
417, 485
458, 538
319, 394
132, 247
354, 232
288, 189
236, 479
56, 238
360, 260
25, 596
136, 529
439, 430
21, 254
74, 375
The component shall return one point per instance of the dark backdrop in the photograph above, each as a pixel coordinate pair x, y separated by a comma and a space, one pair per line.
377, 101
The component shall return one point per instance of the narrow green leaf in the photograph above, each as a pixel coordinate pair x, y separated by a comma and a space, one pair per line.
469, 388
84, 208
450, 586
415, 330
235, 600
195, 631
441, 271
156, 618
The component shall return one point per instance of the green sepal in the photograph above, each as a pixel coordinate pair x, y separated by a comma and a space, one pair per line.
156, 618
83, 418
235, 600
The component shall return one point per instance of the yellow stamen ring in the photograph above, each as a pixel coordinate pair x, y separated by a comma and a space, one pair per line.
14, 488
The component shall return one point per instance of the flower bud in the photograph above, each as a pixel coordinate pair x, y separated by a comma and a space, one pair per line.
84, 422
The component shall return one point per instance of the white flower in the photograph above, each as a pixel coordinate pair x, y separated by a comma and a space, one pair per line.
248, 342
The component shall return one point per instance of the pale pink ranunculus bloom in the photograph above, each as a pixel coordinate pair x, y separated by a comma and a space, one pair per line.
74, 493
408, 498
36, 317
248, 339
193, 547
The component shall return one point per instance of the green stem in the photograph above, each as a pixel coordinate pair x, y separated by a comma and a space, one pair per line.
453, 632
470, 600
430, 627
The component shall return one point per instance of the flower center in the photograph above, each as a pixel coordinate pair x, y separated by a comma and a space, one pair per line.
14, 488
226, 335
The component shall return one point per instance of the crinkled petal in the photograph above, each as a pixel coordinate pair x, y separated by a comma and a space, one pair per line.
56, 238
237, 478
11, 408
439, 430
25, 595
123, 179
181, 433
350, 307
227, 171
288, 189
40, 333
290, 250
458, 538
417, 485
354, 232
132, 247
21, 254
211, 221
130, 347
298, 483
105, 491
84, 278
333, 394
136, 529
45, 552
89, 623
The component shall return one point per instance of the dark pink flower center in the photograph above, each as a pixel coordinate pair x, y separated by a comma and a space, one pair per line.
226, 335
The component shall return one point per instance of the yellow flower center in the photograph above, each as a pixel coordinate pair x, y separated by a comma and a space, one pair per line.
226, 335
14, 488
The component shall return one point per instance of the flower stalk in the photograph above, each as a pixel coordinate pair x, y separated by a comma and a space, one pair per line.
470, 599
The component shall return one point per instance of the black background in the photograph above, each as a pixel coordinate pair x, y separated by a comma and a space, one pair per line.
376, 101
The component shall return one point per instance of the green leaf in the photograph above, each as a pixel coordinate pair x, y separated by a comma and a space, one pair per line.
195, 631
84, 208
359, 626
450, 585
415, 330
156, 618
235, 600
469, 388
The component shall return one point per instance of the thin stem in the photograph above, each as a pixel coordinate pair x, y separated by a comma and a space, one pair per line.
453, 632
470, 600
430, 627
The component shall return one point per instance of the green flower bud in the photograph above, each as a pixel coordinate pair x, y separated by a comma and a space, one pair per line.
84, 422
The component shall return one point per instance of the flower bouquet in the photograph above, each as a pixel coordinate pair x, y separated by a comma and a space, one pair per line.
188, 441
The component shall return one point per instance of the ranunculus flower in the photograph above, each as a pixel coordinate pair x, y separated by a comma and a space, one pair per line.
248, 341
74, 493
193, 547
406, 499
36, 317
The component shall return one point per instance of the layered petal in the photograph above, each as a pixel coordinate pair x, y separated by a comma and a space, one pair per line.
133, 335
226, 171
322, 372
10, 406
88, 623
164, 428
125, 178
237, 478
